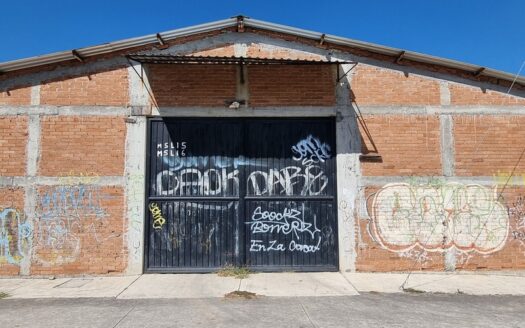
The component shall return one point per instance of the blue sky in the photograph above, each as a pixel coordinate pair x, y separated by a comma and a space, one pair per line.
483, 32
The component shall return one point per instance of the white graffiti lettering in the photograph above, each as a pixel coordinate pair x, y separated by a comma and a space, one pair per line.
286, 222
291, 180
311, 150
438, 218
192, 181
171, 149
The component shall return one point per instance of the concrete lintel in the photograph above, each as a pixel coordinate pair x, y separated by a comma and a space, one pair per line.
481, 180
291, 111
65, 110
438, 110
24, 181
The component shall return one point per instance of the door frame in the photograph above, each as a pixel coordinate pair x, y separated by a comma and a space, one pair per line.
242, 202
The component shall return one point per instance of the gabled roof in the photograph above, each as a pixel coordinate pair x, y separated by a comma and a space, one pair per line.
58, 57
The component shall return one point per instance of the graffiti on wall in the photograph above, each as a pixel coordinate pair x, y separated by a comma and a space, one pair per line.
517, 217
436, 218
288, 222
135, 203
505, 178
158, 218
75, 178
15, 235
64, 214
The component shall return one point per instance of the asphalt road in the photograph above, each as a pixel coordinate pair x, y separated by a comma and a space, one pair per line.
366, 310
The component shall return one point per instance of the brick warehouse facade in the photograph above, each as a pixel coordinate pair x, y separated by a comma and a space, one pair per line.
429, 168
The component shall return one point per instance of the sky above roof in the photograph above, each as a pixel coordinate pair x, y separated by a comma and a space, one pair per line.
482, 32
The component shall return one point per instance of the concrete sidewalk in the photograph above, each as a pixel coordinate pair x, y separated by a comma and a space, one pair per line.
267, 284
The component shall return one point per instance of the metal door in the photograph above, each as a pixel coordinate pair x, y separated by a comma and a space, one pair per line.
251, 192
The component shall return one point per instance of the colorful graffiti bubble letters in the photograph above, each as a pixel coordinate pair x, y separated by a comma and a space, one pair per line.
15, 236
439, 217
158, 218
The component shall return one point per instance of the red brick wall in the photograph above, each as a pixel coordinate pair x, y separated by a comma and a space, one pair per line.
291, 85
16, 96
93, 144
408, 144
387, 243
486, 145
102, 88
379, 86
192, 85
13, 141
79, 230
372, 256
466, 95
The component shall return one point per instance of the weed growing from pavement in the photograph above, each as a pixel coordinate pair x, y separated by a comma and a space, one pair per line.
241, 294
232, 271
3, 295
413, 290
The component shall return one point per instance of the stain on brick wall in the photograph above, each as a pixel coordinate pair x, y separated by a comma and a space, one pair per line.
13, 141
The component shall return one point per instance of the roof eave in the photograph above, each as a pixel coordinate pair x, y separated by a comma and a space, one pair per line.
410, 55
113, 46
230, 22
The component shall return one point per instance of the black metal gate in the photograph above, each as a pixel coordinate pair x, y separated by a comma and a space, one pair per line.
249, 192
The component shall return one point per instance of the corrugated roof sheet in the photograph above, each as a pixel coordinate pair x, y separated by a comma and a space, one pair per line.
171, 59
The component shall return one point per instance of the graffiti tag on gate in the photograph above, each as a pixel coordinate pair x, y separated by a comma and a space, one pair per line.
158, 218
289, 221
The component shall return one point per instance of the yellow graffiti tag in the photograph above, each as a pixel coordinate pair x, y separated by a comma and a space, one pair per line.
158, 219
74, 178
